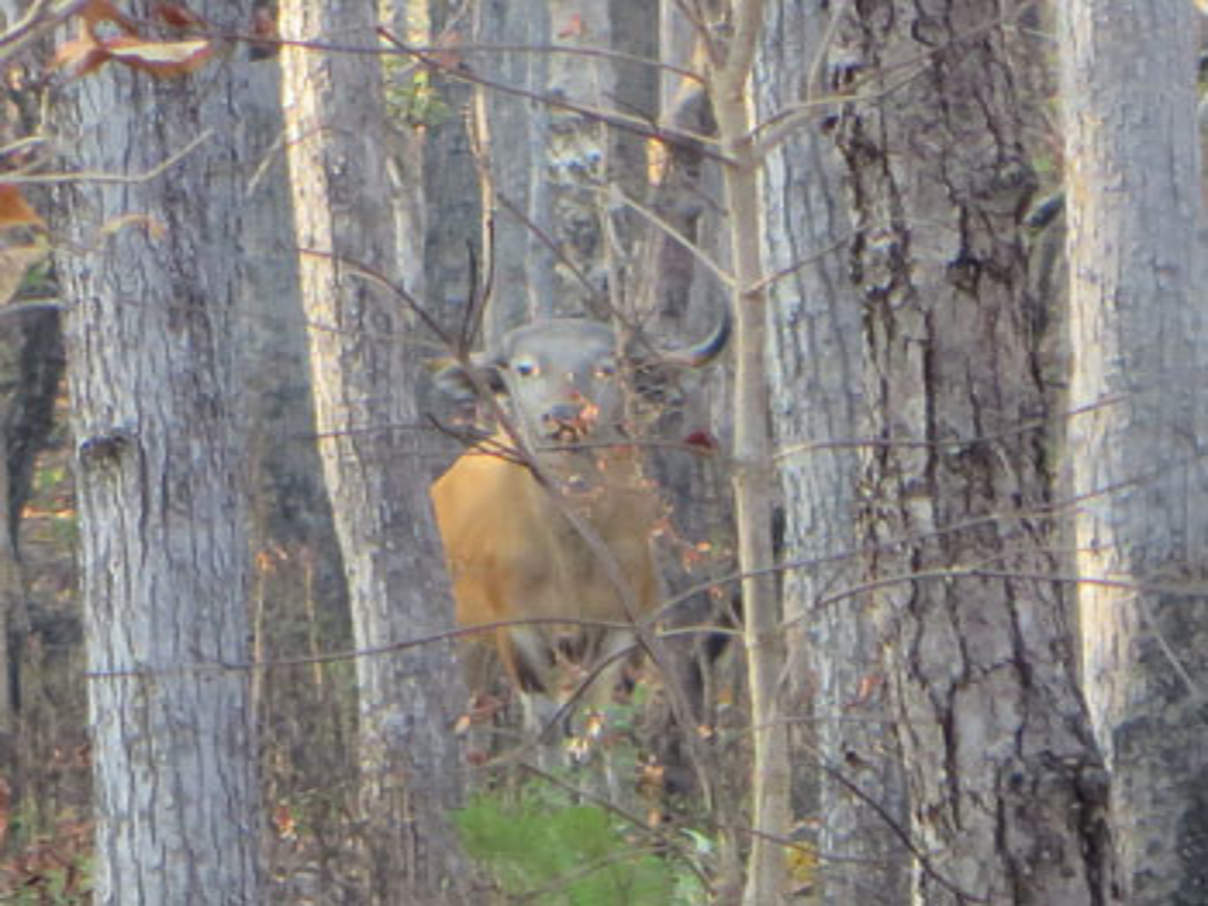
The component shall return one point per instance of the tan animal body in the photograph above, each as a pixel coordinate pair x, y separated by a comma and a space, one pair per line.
513, 554
571, 545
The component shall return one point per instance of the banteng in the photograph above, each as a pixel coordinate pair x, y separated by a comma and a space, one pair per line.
556, 522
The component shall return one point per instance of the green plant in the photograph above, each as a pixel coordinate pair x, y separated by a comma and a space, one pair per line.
411, 98
47, 868
68, 885
566, 855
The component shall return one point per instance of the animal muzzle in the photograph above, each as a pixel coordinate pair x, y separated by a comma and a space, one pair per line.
570, 422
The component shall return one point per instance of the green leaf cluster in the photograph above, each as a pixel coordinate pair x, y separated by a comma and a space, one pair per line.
572, 855
412, 99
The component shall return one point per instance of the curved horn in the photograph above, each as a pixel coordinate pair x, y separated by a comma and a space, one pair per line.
706, 350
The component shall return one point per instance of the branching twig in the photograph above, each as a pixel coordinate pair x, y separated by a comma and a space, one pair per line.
702, 144
100, 177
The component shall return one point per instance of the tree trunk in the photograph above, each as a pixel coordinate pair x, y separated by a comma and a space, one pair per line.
814, 356
1139, 348
158, 425
454, 207
1005, 783
363, 356
753, 470
511, 134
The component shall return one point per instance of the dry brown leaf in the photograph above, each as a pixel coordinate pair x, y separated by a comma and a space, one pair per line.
574, 27
79, 56
177, 15
163, 59
14, 209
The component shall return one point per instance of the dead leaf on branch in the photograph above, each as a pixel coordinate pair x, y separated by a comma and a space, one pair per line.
177, 15
162, 59
15, 210
79, 56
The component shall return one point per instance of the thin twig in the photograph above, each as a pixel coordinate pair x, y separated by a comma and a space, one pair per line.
702, 144
366, 272
32, 24
724, 277
99, 177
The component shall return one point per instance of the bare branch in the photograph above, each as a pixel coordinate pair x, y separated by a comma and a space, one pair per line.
37, 20
702, 144
100, 177
615, 194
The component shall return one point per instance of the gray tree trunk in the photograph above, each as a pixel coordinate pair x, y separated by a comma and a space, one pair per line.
298, 600
1005, 782
633, 29
158, 426
512, 137
364, 357
290, 500
1139, 346
814, 355
454, 207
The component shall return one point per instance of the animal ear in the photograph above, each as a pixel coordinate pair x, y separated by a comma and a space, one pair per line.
461, 383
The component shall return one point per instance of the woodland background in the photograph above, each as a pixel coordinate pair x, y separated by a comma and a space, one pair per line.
946, 498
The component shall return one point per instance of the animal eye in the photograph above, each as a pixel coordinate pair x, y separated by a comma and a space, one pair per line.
525, 367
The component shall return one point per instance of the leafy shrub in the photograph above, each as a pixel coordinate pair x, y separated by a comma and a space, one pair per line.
568, 855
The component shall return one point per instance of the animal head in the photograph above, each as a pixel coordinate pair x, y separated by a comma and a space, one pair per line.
561, 378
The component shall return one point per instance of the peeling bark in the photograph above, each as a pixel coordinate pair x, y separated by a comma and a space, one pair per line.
1005, 781
846, 764
158, 425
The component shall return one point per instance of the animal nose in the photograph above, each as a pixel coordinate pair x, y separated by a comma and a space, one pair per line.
563, 413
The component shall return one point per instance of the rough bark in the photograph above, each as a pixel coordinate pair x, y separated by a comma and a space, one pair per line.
512, 140
1139, 348
814, 359
365, 359
633, 29
155, 388
454, 208
1005, 782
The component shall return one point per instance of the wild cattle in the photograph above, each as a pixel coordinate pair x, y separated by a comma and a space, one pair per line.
554, 522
